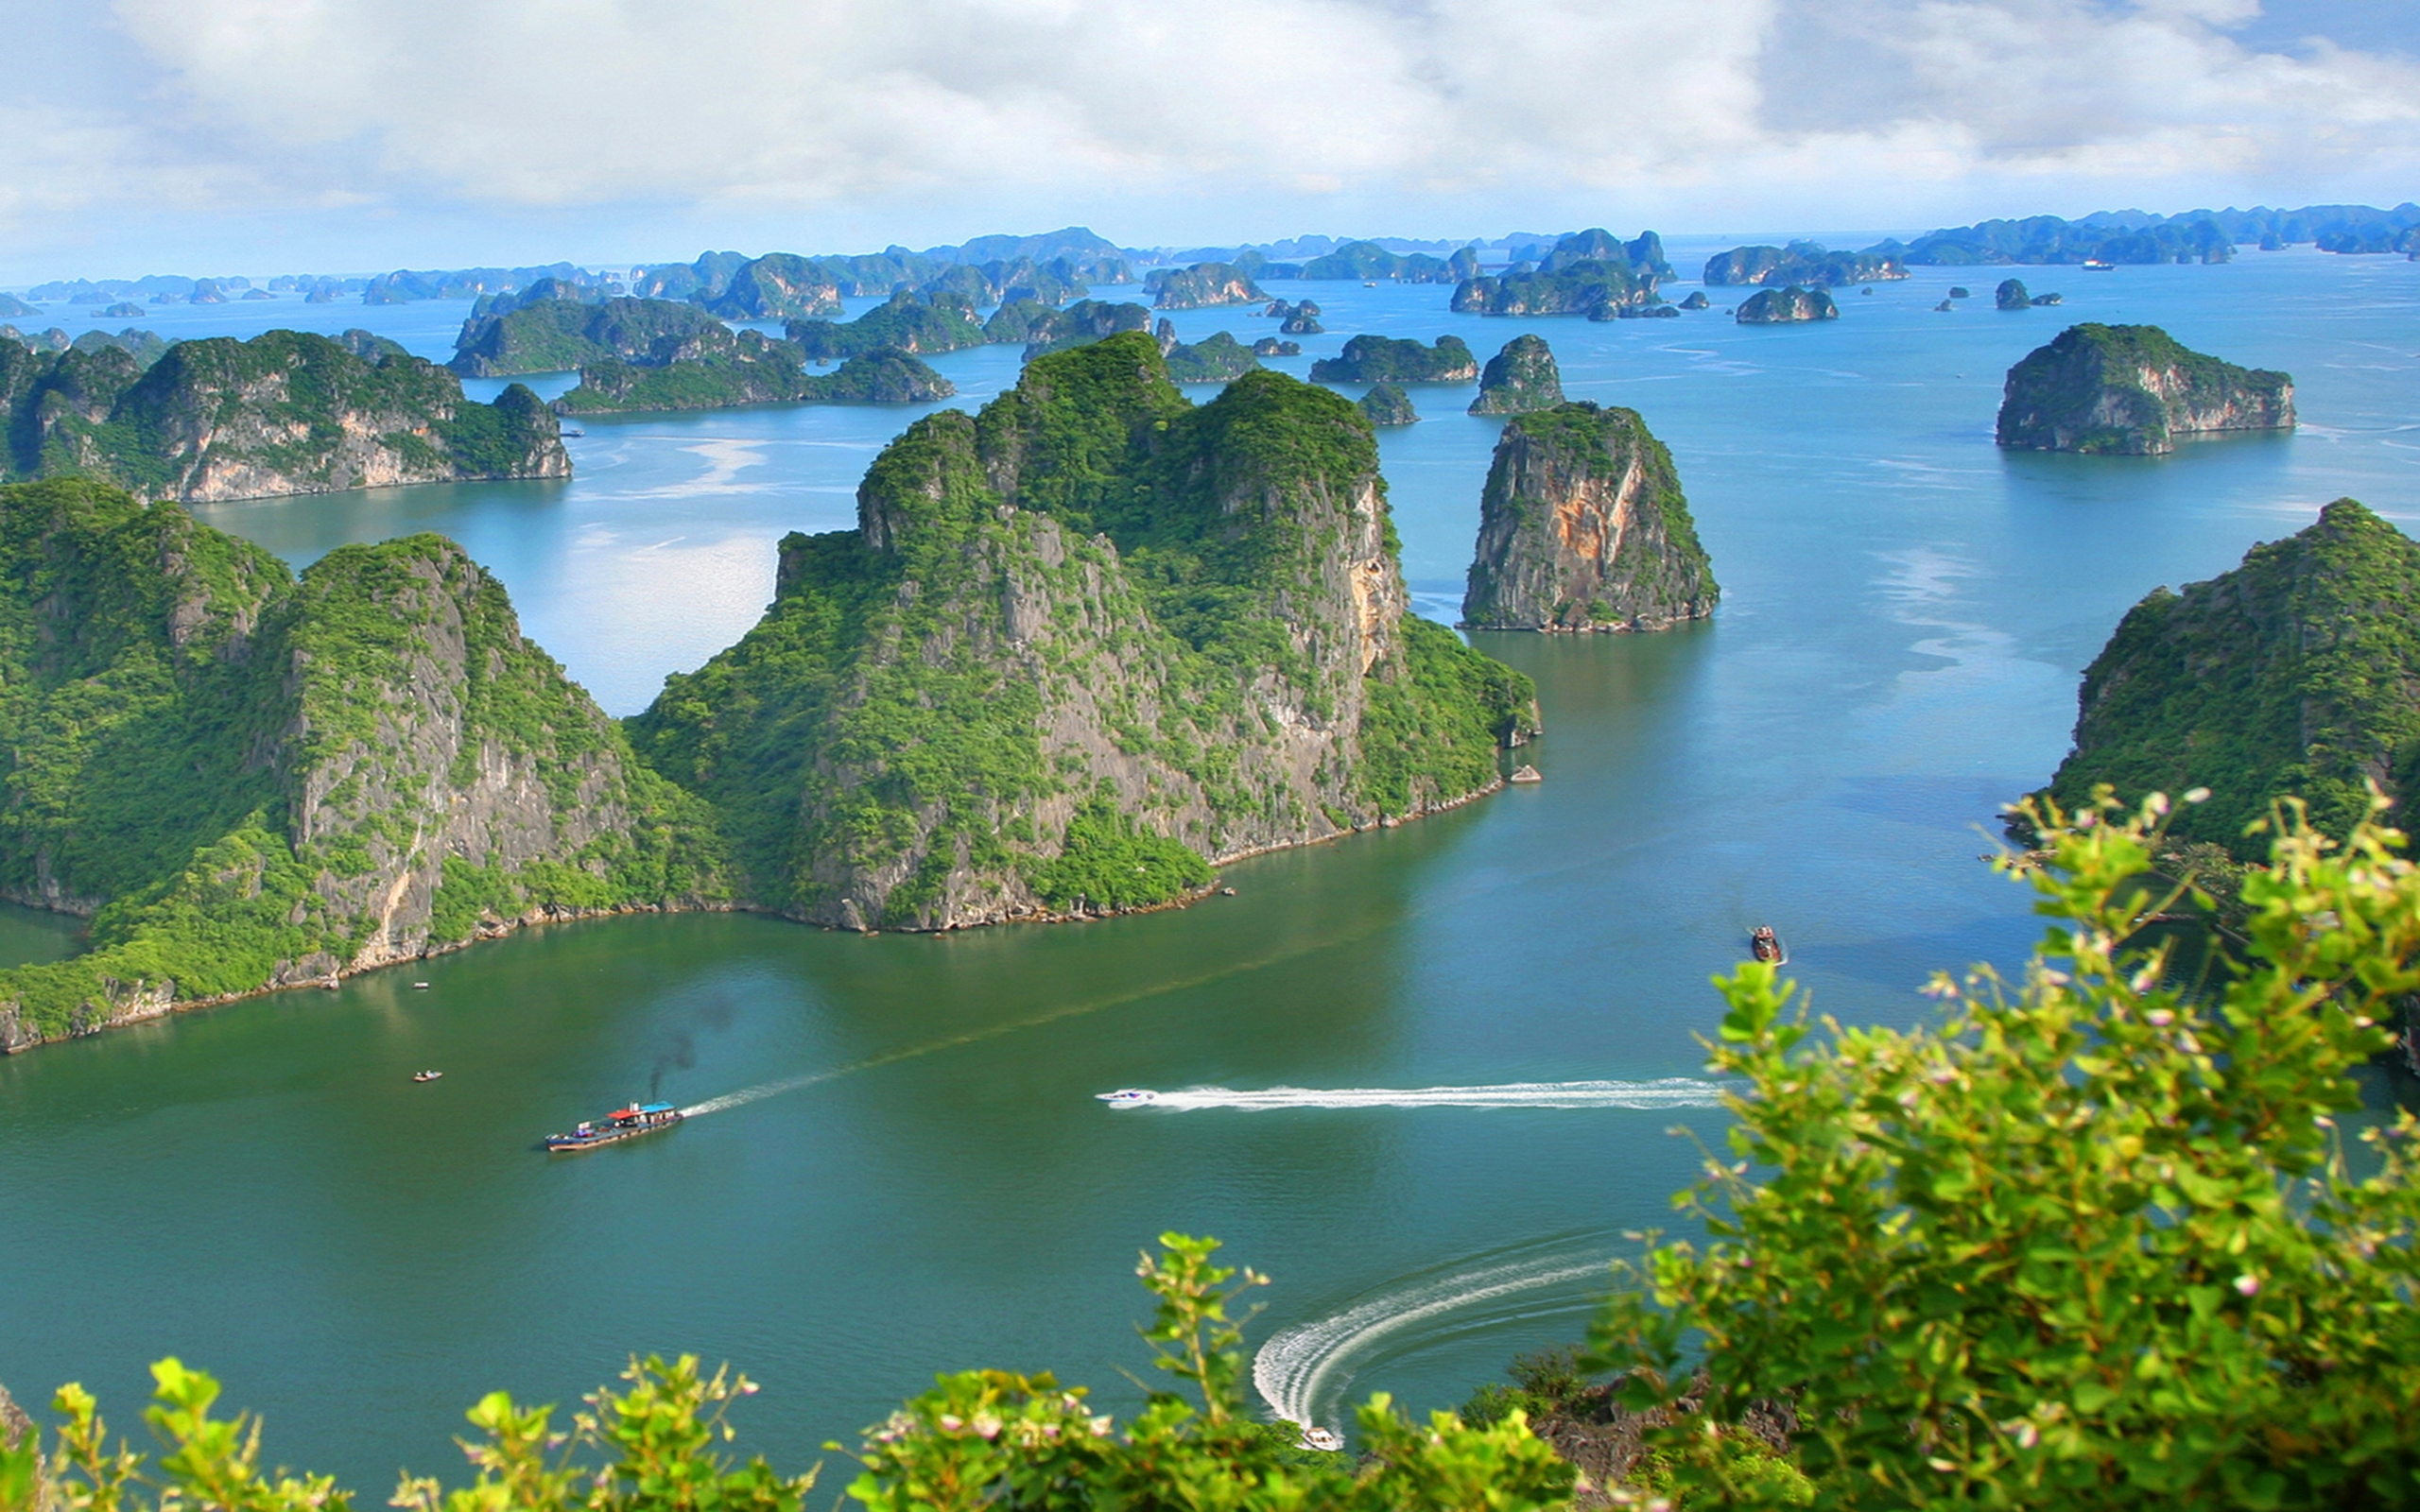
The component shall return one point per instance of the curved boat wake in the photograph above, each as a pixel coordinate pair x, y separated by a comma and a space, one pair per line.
1304, 1371
1669, 1092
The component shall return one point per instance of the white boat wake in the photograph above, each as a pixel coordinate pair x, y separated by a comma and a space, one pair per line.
1303, 1372
1670, 1091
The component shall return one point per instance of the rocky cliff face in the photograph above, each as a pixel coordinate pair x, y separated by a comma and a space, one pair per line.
283, 413
1078, 645
1583, 527
1519, 379
1787, 305
2133, 390
251, 781
777, 286
2295, 673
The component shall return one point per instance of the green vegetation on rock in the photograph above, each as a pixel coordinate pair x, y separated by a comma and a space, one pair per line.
284, 412
1079, 324
908, 322
1203, 286
1364, 262
1785, 306
1593, 273
1387, 405
1583, 527
1803, 263
2132, 389
251, 781
1093, 598
1519, 379
723, 368
1371, 359
2296, 675
1218, 358
564, 334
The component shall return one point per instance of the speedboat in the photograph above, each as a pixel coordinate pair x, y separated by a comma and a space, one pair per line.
1129, 1097
1326, 1440
426, 1075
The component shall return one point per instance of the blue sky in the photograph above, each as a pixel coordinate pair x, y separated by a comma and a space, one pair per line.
264, 136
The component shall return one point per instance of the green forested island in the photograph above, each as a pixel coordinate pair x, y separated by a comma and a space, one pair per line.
1387, 404
1081, 647
1204, 285
1389, 359
1583, 527
1592, 273
908, 322
722, 368
1805, 263
1521, 378
564, 334
1785, 306
2295, 673
1215, 359
2132, 389
283, 413
1069, 656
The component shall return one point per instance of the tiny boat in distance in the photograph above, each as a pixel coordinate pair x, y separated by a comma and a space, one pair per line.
1129, 1097
1326, 1440
621, 1123
1767, 946
426, 1075
2093, 264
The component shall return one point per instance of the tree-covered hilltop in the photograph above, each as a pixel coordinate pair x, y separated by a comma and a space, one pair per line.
566, 334
1202, 286
908, 322
1583, 527
2295, 673
1370, 359
1520, 378
1805, 263
2124, 237
1387, 405
2132, 389
724, 368
283, 413
1078, 645
251, 781
1218, 358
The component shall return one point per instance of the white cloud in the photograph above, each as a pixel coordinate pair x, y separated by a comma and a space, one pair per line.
1069, 107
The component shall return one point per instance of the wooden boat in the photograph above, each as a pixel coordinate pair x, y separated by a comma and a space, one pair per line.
1767, 946
426, 1075
621, 1123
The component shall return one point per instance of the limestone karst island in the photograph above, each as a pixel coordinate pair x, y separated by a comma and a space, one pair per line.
1385, 759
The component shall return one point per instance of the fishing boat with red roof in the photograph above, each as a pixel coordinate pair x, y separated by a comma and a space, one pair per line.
621, 1123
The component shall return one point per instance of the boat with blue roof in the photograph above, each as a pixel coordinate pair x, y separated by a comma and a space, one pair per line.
621, 1123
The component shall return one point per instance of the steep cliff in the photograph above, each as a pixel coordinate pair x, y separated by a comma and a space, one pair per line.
1084, 321
777, 286
1370, 359
282, 413
2296, 674
1785, 306
564, 335
1202, 286
2132, 389
1583, 527
1079, 646
251, 781
1519, 379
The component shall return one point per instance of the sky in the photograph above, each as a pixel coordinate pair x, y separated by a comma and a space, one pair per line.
325, 136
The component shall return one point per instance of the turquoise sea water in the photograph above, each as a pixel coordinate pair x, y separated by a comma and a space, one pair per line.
930, 1183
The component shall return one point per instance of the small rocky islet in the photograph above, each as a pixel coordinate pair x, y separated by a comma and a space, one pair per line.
1519, 379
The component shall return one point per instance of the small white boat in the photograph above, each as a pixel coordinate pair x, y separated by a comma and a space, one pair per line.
420, 987
1326, 1440
1129, 1097
426, 1075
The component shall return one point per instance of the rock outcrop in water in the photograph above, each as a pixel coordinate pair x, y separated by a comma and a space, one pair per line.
563, 336
1583, 527
283, 413
2012, 294
724, 370
2133, 390
1081, 323
974, 707
2296, 674
1202, 286
1593, 274
1215, 359
1785, 306
1519, 379
1370, 359
1387, 405
908, 323
1802, 263
251, 781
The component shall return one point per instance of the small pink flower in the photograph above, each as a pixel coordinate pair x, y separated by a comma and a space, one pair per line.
2247, 1283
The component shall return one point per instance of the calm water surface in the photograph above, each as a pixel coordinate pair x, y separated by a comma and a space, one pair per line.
926, 1182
